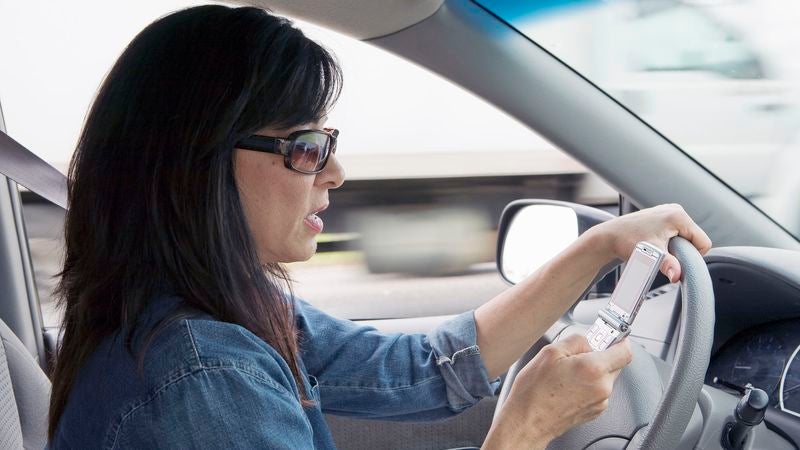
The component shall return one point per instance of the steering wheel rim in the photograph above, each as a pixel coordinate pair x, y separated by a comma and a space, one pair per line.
652, 403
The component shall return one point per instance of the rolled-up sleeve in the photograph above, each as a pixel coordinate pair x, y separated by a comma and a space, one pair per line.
458, 357
365, 373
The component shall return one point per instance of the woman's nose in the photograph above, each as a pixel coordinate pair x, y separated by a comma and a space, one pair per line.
332, 176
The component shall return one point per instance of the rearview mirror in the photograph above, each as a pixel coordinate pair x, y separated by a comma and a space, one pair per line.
531, 232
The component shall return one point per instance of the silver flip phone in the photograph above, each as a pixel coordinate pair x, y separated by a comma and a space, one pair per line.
614, 321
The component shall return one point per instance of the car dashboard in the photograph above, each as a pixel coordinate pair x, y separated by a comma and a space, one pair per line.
766, 357
757, 330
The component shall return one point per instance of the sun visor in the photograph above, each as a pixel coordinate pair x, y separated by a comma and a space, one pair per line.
361, 19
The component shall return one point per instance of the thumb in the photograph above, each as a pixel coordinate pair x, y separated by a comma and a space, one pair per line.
618, 355
671, 268
573, 345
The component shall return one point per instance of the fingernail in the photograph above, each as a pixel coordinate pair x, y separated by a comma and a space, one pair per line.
670, 273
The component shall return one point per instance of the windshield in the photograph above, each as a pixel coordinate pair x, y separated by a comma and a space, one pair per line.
718, 78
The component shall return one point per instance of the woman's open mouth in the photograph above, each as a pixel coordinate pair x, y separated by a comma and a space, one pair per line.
313, 221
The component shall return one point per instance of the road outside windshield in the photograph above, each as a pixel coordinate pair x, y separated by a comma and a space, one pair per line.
717, 77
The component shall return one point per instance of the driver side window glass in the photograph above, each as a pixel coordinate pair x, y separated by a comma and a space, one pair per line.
430, 167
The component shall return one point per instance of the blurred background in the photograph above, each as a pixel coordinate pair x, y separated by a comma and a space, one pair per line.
430, 166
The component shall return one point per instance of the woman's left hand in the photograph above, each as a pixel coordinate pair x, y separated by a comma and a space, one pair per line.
657, 226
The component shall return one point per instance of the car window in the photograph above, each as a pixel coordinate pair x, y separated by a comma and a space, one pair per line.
707, 75
429, 165
699, 44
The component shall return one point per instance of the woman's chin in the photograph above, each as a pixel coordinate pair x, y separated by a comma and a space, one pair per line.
306, 252
299, 253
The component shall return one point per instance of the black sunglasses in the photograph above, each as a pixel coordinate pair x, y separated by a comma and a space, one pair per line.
304, 151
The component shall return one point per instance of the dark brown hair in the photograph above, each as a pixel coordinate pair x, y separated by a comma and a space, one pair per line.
153, 199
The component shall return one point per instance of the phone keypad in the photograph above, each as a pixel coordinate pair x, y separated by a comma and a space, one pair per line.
601, 335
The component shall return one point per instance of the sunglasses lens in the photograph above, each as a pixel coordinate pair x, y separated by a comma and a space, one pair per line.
309, 152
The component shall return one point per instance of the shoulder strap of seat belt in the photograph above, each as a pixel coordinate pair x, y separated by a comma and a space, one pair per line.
31, 171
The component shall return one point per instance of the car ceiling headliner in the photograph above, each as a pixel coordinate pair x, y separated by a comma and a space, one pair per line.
361, 19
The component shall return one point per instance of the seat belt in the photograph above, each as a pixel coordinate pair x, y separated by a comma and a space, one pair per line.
31, 171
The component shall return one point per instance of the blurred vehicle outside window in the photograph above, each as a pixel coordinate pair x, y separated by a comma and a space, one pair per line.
718, 78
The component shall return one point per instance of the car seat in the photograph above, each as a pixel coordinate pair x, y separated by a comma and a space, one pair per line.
24, 395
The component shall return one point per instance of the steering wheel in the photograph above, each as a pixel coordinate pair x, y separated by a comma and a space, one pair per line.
652, 403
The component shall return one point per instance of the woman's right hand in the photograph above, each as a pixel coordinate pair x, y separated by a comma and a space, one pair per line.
564, 385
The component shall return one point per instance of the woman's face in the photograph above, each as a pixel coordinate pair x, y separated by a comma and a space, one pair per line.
280, 204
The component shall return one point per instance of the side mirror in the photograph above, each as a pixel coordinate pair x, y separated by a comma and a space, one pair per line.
532, 231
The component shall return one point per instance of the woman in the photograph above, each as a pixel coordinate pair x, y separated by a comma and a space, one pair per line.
202, 166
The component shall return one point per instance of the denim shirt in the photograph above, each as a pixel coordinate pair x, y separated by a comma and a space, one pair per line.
211, 384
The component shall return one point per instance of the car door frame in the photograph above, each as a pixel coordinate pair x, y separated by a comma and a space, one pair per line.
19, 300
